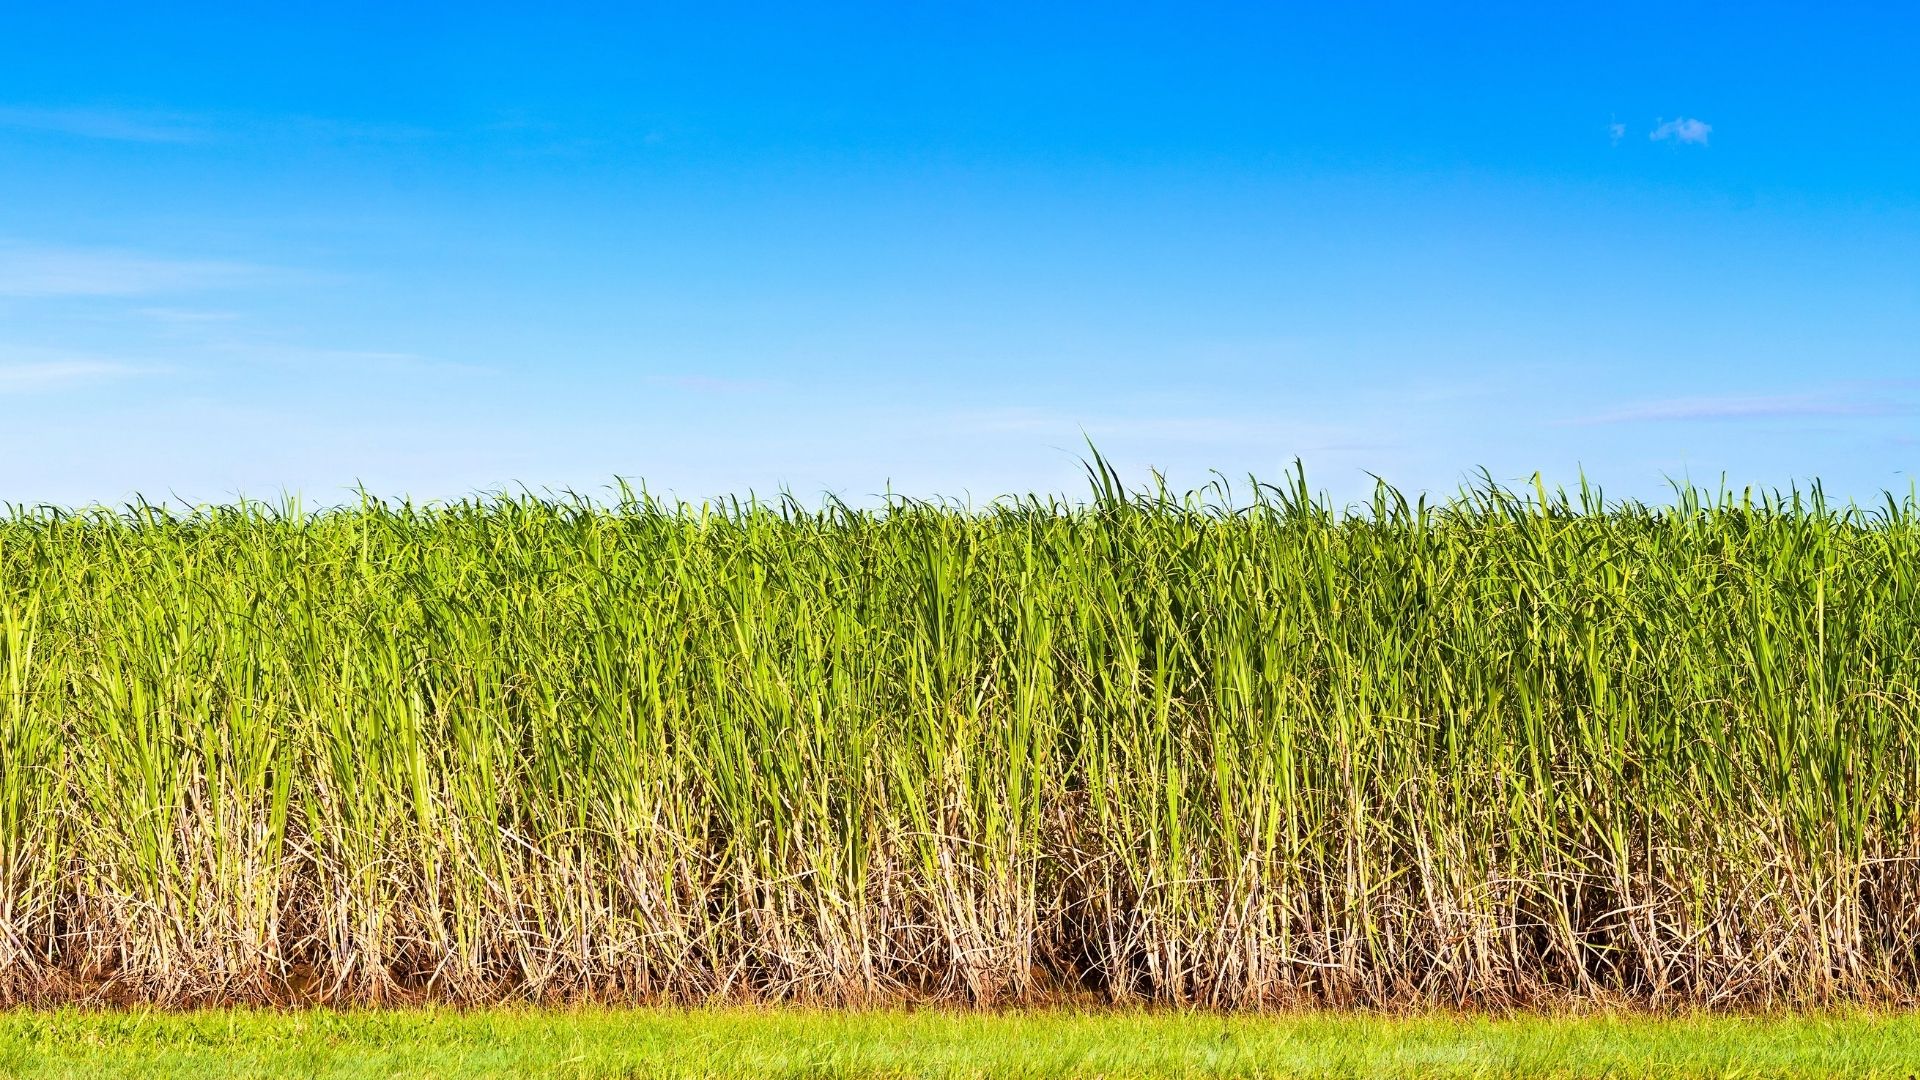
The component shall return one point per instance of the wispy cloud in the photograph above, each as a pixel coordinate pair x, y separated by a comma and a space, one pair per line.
65, 271
1761, 407
313, 359
1195, 430
394, 361
28, 376
163, 126
712, 384
117, 124
1616, 131
332, 129
1683, 130
185, 316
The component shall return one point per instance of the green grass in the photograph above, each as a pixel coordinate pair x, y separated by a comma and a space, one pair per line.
738, 1043
1242, 750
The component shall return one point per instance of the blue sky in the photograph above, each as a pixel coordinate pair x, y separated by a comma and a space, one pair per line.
836, 247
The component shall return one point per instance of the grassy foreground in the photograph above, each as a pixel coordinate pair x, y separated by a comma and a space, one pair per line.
741, 1043
1254, 751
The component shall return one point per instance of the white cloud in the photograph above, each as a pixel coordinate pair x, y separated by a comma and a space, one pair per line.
32, 375
115, 124
711, 384
1194, 430
328, 129
64, 271
1616, 131
1782, 406
185, 316
362, 362
1683, 130
161, 126
376, 359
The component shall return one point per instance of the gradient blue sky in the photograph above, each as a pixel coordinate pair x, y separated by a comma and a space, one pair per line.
718, 248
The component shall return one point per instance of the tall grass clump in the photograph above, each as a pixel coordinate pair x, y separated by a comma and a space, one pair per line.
1510, 747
